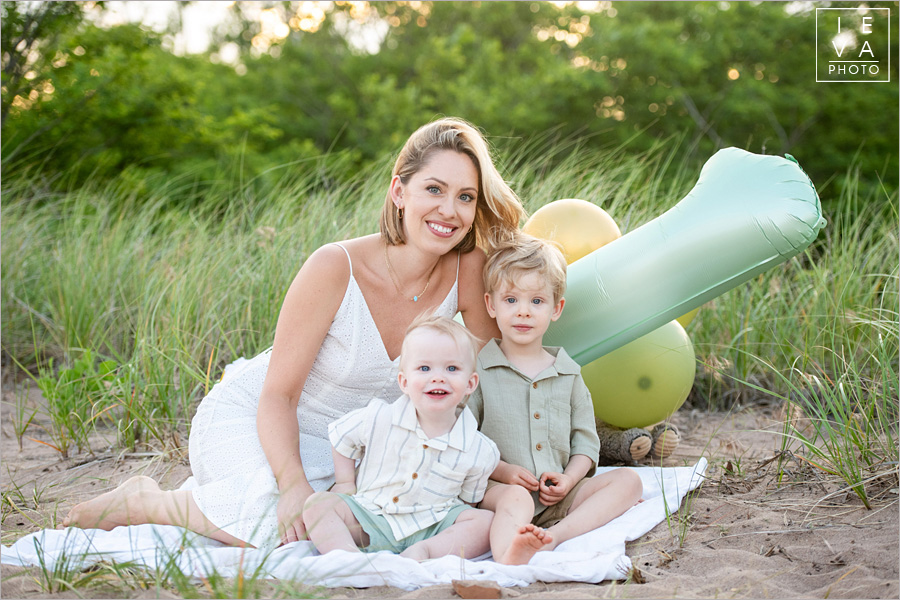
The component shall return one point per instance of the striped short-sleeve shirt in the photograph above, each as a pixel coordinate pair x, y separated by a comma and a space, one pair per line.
410, 479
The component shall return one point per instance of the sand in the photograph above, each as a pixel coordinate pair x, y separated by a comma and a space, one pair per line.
743, 534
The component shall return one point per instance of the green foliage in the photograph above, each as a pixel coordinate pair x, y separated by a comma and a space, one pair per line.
30, 42
21, 416
123, 104
78, 572
679, 58
177, 294
155, 302
76, 397
66, 574
353, 80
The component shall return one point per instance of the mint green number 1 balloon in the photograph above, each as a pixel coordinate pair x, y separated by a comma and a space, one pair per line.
746, 214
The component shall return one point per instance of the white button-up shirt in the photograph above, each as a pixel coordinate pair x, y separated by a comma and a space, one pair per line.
409, 478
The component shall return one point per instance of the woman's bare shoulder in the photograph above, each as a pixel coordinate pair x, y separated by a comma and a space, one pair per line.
471, 264
357, 244
324, 274
471, 295
471, 281
359, 249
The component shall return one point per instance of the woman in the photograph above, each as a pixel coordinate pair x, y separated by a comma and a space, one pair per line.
258, 444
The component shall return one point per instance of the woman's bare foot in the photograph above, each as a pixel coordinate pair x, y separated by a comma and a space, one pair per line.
529, 539
121, 506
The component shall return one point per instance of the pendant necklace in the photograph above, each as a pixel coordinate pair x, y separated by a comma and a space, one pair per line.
393, 275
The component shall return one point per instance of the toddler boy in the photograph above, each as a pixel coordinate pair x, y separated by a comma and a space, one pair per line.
533, 403
421, 459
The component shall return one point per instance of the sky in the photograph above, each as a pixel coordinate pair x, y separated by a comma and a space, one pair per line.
198, 19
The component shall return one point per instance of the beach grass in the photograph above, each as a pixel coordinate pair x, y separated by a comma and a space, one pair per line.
152, 299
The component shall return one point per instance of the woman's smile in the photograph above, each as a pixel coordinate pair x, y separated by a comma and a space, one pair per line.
442, 230
440, 198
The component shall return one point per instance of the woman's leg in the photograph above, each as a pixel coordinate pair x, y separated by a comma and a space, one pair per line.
139, 501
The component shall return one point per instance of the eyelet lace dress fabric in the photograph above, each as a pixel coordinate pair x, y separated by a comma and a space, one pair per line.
237, 490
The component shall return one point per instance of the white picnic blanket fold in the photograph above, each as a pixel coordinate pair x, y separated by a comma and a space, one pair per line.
590, 558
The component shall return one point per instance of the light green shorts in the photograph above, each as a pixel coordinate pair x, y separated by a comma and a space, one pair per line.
379, 530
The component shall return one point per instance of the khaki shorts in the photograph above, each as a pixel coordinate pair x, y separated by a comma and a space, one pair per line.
551, 515
381, 537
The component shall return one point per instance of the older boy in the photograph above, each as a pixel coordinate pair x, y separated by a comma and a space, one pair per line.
422, 459
534, 404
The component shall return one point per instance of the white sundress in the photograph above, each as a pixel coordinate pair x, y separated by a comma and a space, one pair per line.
237, 490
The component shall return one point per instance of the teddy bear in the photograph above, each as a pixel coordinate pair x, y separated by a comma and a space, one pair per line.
628, 446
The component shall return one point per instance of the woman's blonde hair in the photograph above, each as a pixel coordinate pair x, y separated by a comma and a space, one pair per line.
498, 210
522, 255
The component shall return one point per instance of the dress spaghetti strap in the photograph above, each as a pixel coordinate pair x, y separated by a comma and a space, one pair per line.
341, 246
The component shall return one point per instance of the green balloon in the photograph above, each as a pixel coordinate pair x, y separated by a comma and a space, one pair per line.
747, 213
644, 381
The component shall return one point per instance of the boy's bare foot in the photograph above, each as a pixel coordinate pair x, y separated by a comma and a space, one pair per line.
529, 539
121, 506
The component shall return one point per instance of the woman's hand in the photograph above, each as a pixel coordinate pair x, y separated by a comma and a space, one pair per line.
554, 487
290, 513
515, 475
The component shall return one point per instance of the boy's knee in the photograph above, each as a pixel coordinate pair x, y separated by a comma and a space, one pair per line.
316, 503
480, 516
631, 480
516, 494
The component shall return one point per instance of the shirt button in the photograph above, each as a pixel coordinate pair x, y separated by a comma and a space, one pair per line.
415, 475
425, 446
396, 499
537, 415
534, 385
539, 447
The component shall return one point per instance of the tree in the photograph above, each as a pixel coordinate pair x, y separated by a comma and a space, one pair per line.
358, 78
29, 37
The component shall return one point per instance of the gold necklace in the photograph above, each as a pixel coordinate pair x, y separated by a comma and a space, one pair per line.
393, 275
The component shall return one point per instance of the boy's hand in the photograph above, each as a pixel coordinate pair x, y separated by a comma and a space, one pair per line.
515, 475
554, 487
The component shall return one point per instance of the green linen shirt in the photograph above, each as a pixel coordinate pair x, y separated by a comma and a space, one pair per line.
536, 423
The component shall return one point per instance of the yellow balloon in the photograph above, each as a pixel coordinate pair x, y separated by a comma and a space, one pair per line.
643, 382
686, 318
577, 225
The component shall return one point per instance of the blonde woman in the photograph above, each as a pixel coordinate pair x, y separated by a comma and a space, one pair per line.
259, 443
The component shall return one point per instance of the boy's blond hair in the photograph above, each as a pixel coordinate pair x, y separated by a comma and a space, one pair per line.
465, 339
522, 255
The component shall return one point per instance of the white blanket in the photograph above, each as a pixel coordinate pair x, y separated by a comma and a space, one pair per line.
591, 558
